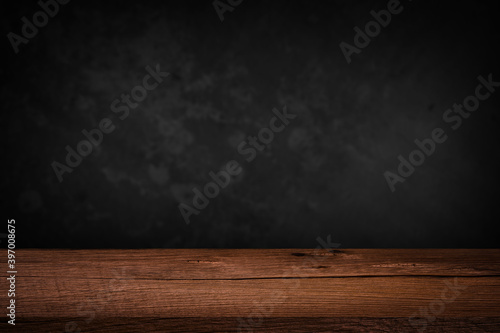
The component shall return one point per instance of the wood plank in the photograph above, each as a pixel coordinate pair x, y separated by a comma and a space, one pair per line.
185, 264
298, 290
222, 325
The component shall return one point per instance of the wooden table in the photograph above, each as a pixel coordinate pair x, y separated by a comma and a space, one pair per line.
285, 290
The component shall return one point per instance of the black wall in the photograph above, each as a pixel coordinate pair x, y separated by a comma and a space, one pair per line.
322, 175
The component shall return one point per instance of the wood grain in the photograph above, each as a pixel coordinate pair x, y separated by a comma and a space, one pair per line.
285, 290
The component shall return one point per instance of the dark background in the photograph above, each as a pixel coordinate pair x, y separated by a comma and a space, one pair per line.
323, 175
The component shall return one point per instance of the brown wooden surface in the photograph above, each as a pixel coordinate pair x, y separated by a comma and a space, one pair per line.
294, 290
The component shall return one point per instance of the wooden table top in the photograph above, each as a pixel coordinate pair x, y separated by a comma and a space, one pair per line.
256, 290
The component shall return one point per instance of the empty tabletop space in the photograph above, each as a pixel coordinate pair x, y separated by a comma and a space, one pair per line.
255, 290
